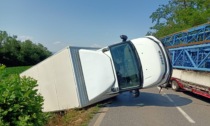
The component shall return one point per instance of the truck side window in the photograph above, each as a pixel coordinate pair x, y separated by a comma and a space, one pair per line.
126, 66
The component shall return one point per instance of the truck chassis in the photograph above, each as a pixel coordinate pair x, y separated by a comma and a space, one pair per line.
177, 84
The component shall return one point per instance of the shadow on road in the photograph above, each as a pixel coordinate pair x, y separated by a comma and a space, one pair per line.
199, 97
149, 99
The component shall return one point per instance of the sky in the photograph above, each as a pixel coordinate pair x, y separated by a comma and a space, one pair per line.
87, 23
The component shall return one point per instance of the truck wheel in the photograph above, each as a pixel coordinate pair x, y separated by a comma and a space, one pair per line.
174, 85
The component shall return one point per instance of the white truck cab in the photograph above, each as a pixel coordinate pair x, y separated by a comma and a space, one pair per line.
78, 77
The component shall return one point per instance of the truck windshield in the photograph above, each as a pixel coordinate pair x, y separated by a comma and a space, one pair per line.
126, 65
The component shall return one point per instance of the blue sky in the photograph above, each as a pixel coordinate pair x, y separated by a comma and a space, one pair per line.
59, 23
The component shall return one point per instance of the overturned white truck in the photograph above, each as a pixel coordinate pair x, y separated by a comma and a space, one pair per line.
78, 77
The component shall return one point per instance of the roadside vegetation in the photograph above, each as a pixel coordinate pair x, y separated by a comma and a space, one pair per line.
20, 104
12, 70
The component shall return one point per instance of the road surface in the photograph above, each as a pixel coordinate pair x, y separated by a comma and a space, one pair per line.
169, 108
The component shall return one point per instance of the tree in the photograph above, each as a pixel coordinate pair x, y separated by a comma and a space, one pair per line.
9, 51
31, 54
178, 15
16, 53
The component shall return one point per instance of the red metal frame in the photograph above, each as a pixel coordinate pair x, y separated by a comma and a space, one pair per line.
195, 91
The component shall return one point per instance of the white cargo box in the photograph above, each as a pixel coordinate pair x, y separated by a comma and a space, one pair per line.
61, 81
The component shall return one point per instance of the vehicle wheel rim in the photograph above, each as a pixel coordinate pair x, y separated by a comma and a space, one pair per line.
174, 86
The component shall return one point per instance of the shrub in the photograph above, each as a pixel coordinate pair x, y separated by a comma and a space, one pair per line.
20, 103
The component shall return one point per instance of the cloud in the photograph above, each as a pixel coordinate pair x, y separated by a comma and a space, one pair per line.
24, 37
57, 42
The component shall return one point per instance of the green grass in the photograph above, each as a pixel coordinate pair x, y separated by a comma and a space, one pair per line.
13, 70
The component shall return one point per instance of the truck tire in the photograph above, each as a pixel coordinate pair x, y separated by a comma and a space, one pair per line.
174, 85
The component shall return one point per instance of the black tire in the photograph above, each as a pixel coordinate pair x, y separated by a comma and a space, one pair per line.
174, 85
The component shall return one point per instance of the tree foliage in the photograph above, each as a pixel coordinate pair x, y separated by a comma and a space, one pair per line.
20, 53
178, 15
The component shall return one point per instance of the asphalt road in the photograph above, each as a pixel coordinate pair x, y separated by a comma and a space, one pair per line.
169, 108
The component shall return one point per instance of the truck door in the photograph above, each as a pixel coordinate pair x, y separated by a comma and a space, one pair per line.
127, 66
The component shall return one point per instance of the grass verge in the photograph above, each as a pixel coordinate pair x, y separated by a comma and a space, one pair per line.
14, 70
73, 117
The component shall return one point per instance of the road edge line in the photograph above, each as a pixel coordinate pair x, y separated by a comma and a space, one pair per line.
180, 110
101, 116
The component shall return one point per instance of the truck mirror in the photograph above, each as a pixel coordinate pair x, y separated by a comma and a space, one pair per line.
124, 38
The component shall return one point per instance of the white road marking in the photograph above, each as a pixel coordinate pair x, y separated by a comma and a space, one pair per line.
101, 116
164, 94
185, 115
180, 110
